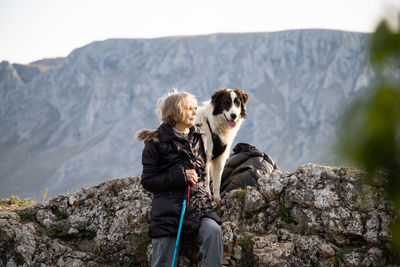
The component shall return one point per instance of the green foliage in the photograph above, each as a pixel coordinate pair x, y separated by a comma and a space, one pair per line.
16, 202
385, 43
339, 256
61, 228
371, 131
141, 241
240, 194
61, 215
300, 231
85, 234
247, 254
285, 214
26, 215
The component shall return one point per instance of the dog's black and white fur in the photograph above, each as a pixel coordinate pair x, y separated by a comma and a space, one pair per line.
220, 119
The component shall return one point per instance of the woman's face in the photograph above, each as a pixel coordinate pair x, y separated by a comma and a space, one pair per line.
189, 106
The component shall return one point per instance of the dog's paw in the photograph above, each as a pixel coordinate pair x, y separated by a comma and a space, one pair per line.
217, 200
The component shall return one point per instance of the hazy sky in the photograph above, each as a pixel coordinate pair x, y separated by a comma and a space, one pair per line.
34, 29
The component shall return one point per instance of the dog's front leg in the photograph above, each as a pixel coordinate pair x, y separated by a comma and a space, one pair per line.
208, 178
216, 173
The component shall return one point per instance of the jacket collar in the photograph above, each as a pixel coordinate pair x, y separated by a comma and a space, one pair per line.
167, 132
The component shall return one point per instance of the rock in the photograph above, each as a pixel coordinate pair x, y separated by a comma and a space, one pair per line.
269, 252
253, 200
373, 257
272, 185
46, 218
312, 217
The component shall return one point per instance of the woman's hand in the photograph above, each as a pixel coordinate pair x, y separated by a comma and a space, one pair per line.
191, 176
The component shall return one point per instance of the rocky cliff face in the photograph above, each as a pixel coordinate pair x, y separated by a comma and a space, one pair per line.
72, 125
315, 216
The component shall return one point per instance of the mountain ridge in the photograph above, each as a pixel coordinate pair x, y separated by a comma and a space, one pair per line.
72, 125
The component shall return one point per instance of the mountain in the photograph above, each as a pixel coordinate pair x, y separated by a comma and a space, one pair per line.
72, 123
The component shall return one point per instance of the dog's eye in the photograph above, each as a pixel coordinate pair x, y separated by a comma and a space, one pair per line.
237, 102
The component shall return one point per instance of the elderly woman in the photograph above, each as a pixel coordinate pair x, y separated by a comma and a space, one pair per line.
173, 161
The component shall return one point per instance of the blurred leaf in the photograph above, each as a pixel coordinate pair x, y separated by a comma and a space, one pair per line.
384, 43
371, 127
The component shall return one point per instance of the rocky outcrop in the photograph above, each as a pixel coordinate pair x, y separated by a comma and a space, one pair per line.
316, 216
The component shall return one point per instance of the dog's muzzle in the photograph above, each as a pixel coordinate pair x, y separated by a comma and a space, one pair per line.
231, 122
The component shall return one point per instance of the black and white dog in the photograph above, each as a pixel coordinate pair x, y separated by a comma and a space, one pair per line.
220, 119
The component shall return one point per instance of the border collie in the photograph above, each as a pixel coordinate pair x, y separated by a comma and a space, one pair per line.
220, 119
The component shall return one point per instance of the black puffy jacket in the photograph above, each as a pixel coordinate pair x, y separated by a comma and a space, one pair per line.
165, 158
244, 167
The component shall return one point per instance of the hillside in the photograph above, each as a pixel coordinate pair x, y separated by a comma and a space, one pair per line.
73, 124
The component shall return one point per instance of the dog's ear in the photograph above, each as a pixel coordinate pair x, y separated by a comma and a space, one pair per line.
243, 100
216, 101
243, 96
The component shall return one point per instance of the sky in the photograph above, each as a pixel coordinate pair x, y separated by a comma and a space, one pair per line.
31, 30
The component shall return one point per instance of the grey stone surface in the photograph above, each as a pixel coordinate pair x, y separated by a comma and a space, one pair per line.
314, 216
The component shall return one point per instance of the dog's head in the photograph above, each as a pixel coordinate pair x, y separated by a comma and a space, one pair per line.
231, 103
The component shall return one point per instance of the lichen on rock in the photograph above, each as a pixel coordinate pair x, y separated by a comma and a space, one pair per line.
315, 216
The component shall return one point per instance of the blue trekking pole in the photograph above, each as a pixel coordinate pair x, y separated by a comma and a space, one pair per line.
185, 199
